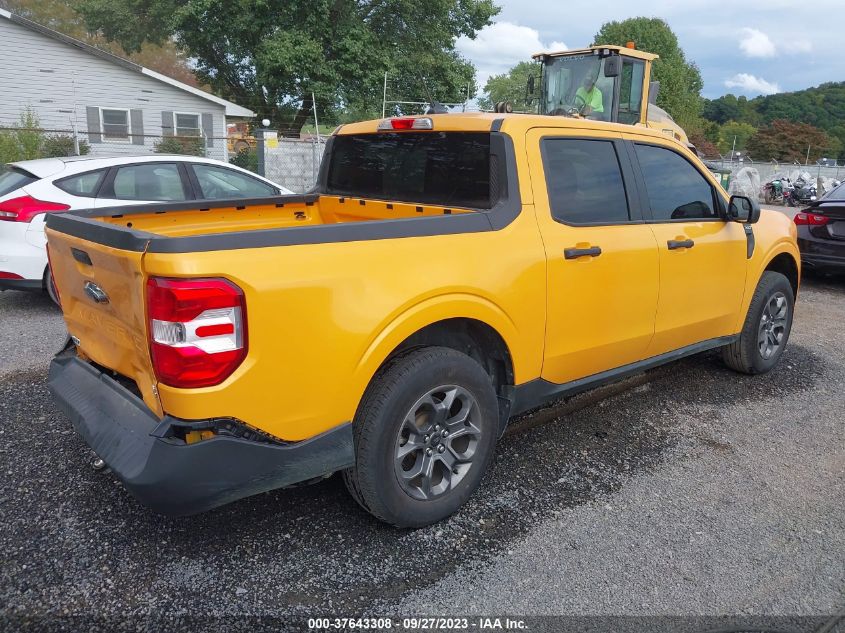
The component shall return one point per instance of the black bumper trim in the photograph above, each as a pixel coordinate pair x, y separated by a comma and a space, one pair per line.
182, 479
21, 284
824, 262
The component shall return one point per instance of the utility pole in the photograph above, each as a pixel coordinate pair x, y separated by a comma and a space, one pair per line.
807, 161
384, 98
733, 149
316, 124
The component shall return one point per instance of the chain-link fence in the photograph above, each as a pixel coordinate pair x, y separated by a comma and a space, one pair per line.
772, 169
291, 163
18, 143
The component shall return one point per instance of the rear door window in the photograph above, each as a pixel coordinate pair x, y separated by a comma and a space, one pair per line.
443, 168
12, 178
676, 190
82, 185
584, 181
219, 183
149, 181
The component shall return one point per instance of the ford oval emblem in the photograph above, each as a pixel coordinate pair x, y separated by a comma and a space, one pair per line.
95, 292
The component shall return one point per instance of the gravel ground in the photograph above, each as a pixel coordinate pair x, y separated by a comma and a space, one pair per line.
31, 331
687, 490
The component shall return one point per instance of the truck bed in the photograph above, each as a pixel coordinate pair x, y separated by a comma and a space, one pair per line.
206, 217
258, 222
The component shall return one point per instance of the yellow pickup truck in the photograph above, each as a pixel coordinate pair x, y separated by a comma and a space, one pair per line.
446, 273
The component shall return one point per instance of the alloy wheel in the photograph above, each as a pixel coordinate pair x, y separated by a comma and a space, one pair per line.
772, 330
437, 441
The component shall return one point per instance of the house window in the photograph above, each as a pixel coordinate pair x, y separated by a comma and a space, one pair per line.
186, 124
115, 124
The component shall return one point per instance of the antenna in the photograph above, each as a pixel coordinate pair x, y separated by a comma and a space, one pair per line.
434, 107
427, 91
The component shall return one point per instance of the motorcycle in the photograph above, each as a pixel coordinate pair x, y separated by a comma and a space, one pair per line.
773, 191
789, 195
805, 191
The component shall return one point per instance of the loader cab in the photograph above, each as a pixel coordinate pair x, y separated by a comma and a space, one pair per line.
606, 83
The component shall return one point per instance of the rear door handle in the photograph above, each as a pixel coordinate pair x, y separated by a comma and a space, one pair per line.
673, 244
574, 253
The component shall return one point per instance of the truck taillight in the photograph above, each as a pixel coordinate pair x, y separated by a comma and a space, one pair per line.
197, 330
25, 208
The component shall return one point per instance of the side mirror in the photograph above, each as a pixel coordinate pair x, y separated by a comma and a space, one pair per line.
612, 66
530, 87
743, 209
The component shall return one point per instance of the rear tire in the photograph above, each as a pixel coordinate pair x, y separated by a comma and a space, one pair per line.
424, 436
767, 327
50, 286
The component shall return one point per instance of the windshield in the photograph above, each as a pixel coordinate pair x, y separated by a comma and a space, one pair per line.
443, 168
12, 178
577, 85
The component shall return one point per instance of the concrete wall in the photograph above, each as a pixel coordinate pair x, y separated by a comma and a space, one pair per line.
294, 163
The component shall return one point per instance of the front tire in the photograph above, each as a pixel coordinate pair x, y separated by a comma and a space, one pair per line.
424, 436
767, 327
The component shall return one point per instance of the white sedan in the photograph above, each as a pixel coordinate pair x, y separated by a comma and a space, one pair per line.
31, 189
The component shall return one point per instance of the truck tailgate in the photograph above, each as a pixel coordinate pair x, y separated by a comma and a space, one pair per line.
111, 327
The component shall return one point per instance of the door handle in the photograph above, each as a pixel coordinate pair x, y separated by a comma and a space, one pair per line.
574, 253
673, 244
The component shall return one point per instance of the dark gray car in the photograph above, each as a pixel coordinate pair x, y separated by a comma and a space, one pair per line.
821, 232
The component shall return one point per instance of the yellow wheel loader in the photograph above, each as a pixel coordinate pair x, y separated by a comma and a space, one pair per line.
605, 83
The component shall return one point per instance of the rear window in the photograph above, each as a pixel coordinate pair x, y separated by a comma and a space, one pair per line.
12, 178
443, 168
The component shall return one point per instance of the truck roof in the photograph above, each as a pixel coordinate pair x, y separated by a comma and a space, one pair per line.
514, 124
624, 50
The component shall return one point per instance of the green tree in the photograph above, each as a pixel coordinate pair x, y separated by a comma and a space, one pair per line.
59, 145
24, 140
61, 15
734, 135
510, 86
704, 147
187, 145
787, 141
680, 80
270, 55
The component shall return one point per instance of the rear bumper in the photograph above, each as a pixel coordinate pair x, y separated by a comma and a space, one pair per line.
20, 256
169, 476
820, 253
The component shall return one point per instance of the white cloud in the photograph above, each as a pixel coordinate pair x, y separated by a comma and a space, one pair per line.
755, 43
797, 46
751, 84
502, 45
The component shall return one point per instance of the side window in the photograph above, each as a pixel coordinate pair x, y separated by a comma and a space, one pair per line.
149, 181
584, 181
82, 185
221, 183
676, 189
631, 91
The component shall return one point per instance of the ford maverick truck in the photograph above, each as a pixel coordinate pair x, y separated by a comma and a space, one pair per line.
446, 273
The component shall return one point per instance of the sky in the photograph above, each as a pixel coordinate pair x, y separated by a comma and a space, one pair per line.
746, 47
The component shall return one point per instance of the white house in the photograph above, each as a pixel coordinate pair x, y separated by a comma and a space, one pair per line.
116, 105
